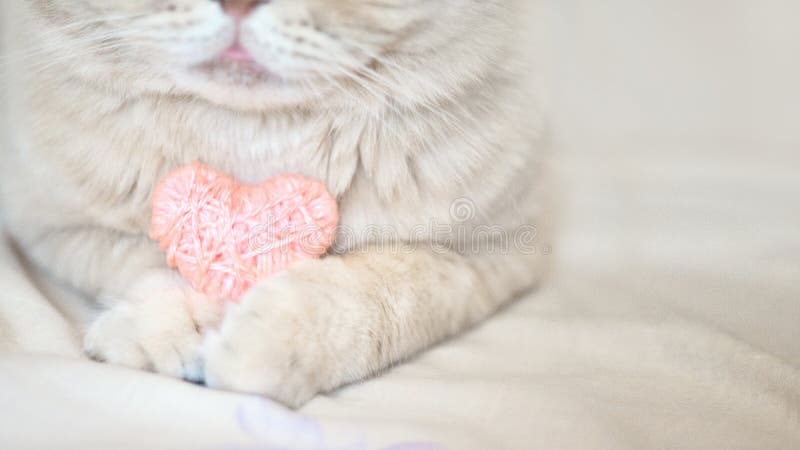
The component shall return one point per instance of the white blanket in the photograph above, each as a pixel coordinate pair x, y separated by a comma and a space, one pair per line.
672, 319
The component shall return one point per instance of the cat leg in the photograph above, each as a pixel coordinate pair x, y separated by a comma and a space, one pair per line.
329, 322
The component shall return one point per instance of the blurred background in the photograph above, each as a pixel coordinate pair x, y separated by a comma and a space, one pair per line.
676, 135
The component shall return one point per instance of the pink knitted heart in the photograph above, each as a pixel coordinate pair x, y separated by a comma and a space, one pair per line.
224, 237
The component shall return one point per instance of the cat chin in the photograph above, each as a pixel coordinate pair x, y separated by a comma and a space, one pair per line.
238, 73
242, 86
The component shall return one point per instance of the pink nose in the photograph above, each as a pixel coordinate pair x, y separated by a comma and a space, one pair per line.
240, 8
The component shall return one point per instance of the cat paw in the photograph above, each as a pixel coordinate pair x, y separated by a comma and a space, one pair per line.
271, 345
112, 337
162, 333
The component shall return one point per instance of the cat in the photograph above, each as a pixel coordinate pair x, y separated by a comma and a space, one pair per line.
412, 112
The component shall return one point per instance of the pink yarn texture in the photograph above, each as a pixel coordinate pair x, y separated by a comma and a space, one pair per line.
224, 237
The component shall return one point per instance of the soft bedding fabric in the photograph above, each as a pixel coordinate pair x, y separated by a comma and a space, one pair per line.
672, 319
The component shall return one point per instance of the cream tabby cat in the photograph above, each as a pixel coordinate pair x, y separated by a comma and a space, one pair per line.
401, 107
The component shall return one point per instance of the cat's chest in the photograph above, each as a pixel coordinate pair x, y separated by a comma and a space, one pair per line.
254, 148
249, 149
374, 181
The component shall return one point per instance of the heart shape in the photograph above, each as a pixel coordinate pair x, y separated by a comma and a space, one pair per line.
224, 237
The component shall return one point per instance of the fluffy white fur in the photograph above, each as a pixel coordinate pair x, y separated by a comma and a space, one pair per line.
400, 106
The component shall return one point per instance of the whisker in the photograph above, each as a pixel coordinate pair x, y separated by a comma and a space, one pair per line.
474, 137
65, 58
45, 49
60, 31
382, 95
453, 120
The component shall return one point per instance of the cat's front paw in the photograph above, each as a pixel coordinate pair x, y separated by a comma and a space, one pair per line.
273, 344
159, 328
